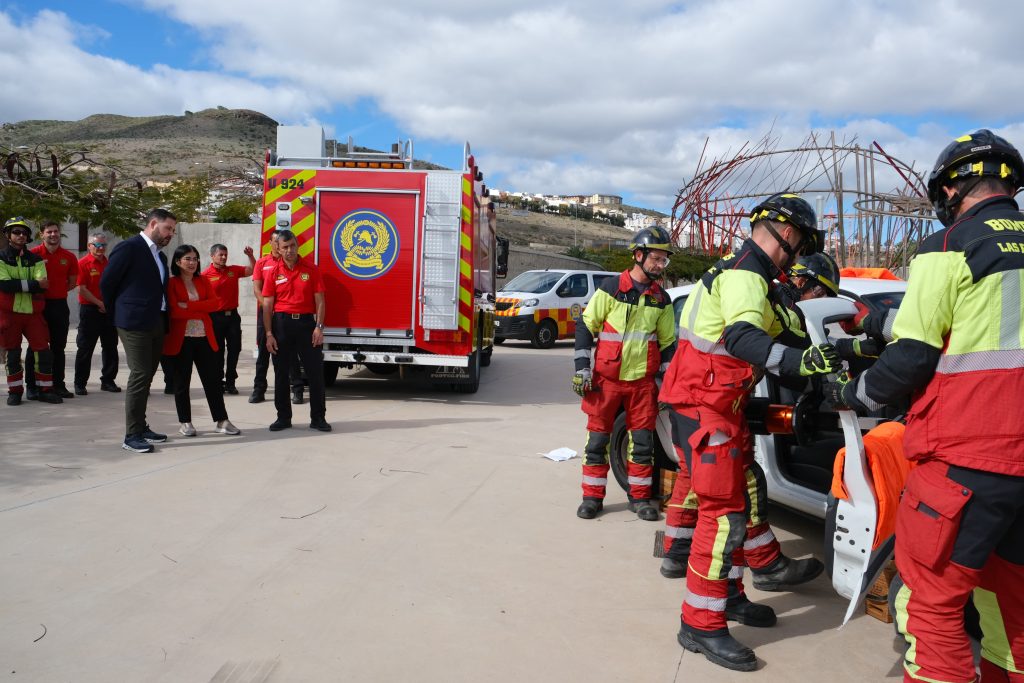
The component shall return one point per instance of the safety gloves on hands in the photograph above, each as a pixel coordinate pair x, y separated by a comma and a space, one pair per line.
841, 393
822, 359
856, 348
856, 324
582, 381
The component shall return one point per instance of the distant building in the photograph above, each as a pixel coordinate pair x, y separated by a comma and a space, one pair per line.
604, 200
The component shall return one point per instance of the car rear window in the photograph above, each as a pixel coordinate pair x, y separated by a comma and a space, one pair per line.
884, 301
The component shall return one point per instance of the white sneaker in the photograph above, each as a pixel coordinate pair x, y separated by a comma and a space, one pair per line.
187, 429
225, 427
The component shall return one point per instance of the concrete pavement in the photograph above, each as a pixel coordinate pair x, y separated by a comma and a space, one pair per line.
423, 540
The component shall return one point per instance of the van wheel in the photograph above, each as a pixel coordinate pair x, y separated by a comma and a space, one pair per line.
545, 335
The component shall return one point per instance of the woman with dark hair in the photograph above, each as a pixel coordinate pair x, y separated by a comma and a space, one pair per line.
190, 299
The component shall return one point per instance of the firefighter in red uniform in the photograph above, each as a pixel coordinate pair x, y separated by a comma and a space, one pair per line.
958, 350
726, 332
227, 326
22, 283
293, 316
62, 273
631, 319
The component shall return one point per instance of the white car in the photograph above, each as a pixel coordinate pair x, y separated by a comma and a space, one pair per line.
798, 465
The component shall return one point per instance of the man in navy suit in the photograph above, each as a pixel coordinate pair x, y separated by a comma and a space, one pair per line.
134, 287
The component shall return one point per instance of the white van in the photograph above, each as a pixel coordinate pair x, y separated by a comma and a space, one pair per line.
542, 306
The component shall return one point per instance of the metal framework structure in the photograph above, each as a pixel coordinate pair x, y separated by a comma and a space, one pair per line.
863, 226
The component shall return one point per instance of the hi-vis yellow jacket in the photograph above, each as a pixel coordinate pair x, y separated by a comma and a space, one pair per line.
959, 344
19, 275
634, 330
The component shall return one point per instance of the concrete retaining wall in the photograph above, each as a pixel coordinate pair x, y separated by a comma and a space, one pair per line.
521, 259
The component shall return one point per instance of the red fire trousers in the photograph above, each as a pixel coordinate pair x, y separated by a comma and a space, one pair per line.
33, 327
602, 405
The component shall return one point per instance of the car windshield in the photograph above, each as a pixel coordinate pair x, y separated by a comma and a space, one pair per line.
533, 282
884, 301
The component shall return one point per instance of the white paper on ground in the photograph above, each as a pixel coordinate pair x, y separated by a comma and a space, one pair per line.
560, 454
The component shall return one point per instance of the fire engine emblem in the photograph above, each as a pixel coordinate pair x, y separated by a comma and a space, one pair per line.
365, 244
574, 311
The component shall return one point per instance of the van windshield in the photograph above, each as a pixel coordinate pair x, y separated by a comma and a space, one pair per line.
533, 282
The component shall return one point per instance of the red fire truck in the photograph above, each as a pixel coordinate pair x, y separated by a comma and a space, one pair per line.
408, 255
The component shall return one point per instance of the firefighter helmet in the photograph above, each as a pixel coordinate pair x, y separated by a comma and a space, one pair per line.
787, 207
976, 155
15, 222
652, 238
821, 269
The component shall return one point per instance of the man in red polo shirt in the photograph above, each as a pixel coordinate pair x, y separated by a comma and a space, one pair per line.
265, 265
227, 326
62, 272
93, 322
293, 316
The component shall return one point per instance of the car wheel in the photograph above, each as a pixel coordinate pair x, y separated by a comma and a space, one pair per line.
618, 451
545, 335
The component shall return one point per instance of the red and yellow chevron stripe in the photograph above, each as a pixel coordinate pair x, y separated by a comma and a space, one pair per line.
290, 185
466, 257
511, 311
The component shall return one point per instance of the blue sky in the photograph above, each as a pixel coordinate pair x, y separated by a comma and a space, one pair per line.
578, 96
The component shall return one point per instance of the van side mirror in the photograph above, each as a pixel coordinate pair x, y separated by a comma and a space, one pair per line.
501, 257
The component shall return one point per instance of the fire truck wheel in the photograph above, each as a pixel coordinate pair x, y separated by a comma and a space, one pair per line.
546, 334
485, 359
498, 341
330, 373
473, 385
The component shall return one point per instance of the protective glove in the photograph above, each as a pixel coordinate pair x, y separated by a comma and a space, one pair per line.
582, 381
822, 359
841, 393
850, 349
855, 325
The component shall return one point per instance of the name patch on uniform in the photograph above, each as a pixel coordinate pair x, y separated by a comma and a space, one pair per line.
365, 244
280, 280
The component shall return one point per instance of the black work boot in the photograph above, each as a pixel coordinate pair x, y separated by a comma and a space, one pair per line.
258, 396
673, 569
741, 610
645, 509
62, 391
723, 650
297, 396
589, 508
13, 399
49, 397
785, 573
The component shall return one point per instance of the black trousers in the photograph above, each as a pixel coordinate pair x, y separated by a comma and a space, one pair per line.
294, 336
94, 326
263, 361
227, 327
197, 351
58, 319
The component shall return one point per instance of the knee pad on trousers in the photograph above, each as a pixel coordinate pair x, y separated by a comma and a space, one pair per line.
757, 494
737, 533
44, 362
596, 449
13, 364
641, 449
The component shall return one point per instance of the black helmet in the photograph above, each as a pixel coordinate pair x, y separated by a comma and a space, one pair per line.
978, 154
651, 238
821, 268
14, 222
787, 207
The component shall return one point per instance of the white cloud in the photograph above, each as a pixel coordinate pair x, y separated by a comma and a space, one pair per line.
573, 96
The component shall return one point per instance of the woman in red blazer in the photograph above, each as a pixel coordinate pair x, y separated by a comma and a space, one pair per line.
190, 299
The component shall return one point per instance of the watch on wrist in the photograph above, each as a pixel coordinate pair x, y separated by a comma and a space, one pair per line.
319, 326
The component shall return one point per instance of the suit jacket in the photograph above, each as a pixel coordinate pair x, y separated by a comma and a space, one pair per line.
194, 310
132, 287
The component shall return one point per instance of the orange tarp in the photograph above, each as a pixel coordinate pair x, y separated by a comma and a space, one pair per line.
888, 471
873, 273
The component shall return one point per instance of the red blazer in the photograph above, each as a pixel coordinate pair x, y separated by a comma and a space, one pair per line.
201, 309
